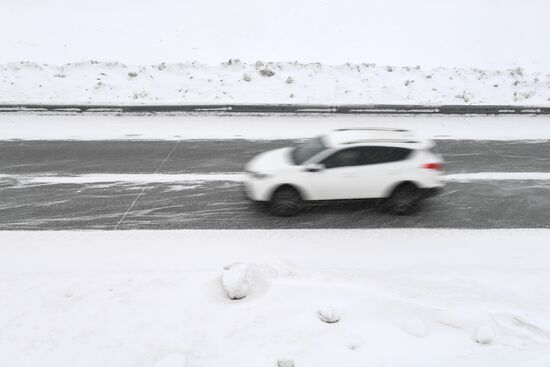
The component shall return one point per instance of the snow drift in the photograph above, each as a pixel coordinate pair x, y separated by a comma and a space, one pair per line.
95, 82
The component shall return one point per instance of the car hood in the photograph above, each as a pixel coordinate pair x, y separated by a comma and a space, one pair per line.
270, 161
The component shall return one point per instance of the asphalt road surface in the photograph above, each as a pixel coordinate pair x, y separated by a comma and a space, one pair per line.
221, 205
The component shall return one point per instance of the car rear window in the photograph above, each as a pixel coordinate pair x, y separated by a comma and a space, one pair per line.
361, 156
376, 155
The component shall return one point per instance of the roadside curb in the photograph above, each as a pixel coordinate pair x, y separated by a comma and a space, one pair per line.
280, 108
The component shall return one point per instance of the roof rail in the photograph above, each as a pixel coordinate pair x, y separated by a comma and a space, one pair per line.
404, 141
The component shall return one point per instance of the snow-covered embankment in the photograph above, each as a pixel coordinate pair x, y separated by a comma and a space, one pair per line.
95, 82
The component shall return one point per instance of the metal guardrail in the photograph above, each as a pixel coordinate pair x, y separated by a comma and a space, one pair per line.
281, 108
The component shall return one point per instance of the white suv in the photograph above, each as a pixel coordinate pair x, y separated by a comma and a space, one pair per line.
347, 164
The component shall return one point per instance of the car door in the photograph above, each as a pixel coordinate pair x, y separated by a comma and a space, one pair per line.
381, 167
339, 178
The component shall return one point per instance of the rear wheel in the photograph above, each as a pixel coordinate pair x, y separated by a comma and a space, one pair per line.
286, 202
405, 199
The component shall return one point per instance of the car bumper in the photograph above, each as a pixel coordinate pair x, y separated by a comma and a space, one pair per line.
255, 190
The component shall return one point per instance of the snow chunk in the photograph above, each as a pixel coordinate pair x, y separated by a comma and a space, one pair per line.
485, 335
237, 280
285, 363
173, 360
415, 327
240, 280
329, 315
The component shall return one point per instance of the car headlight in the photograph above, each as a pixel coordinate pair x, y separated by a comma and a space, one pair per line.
258, 175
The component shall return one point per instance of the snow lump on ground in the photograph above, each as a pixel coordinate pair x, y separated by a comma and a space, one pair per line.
329, 315
485, 335
240, 280
237, 280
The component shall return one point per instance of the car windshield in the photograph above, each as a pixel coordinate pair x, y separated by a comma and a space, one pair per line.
305, 151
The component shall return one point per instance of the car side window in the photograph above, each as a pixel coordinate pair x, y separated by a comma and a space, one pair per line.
376, 155
343, 158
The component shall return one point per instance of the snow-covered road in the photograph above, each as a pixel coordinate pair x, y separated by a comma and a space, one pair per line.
91, 184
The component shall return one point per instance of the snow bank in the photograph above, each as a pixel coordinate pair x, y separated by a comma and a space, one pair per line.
234, 81
146, 298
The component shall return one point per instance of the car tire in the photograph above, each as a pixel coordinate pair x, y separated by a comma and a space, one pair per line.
286, 202
405, 199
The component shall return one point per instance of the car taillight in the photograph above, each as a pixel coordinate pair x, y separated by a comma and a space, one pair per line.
435, 166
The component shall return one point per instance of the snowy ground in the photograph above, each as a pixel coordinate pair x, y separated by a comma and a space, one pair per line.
15, 126
115, 83
404, 298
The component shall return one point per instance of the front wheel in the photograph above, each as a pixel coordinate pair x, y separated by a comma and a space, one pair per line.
286, 202
405, 199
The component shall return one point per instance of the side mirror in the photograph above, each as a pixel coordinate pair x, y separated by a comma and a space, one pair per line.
314, 167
